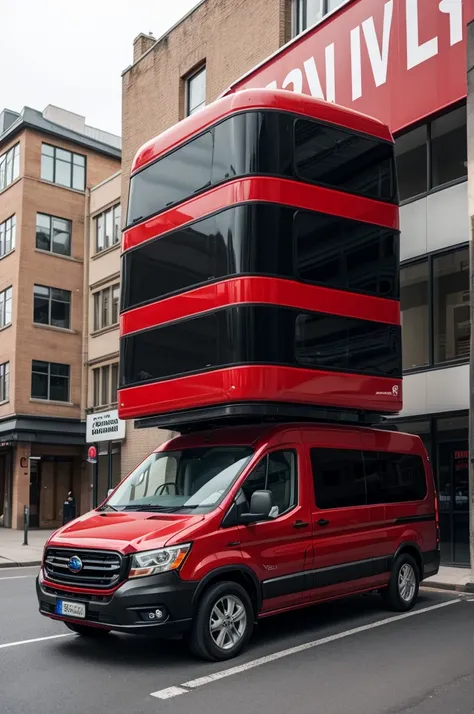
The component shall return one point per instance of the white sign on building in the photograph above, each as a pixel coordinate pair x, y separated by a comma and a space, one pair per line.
104, 426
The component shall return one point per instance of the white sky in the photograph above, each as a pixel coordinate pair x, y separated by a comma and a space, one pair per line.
71, 53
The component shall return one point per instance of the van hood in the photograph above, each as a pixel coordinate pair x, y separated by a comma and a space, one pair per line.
125, 532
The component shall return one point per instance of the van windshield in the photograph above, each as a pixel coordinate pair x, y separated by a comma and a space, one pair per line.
181, 481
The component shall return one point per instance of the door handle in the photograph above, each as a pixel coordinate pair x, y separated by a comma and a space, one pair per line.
300, 524
323, 522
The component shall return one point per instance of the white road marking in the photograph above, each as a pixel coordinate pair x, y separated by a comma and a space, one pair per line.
16, 577
201, 681
169, 693
37, 639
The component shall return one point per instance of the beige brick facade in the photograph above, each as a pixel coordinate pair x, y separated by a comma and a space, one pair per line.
62, 465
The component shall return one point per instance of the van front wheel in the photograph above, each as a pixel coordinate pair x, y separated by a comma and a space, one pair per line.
223, 623
402, 591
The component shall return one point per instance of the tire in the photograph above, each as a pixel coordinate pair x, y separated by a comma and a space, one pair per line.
402, 591
86, 631
226, 642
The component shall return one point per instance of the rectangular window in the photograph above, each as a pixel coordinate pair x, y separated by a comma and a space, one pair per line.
7, 236
394, 478
196, 92
338, 476
105, 383
449, 147
414, 307
452, 323
106, 307
6, 307
9, 166
52, 306
63, 168
307, 13
4, 382
324, 254
107, 228
344, 161
50, 381
276, 473
432, 155
53, 234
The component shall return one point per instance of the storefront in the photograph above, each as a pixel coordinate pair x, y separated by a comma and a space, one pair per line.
6, 481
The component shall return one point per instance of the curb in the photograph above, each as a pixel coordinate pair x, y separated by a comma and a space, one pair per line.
468, 588
25, 564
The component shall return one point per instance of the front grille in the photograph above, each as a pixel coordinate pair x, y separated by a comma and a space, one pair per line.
100, 568
80, 597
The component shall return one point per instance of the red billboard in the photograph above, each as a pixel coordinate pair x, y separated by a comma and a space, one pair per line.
396, 60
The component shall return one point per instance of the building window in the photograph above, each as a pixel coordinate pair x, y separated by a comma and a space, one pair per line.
108, 228
308, 12
52, 307
4, 382
414, 298
106, 307
6, 307
50, 381
53, 234
105, 384
432, 155
9, 166
435, 310
63, 167
452, 325
196, 92
7, 236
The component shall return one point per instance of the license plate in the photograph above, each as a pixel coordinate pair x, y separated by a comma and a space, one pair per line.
70, 609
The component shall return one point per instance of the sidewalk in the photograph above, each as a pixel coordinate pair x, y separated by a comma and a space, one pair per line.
458, 579
13, 553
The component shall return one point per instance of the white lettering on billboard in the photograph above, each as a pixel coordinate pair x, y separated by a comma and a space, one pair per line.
379, 56
453, 8
416, 53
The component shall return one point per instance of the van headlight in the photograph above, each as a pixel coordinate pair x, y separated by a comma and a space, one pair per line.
151, 562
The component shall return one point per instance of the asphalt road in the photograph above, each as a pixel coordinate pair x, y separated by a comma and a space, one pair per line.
349, 657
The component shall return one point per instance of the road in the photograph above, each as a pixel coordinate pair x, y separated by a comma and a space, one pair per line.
349, 657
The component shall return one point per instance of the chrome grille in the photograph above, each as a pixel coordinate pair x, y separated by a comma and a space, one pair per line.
100, 568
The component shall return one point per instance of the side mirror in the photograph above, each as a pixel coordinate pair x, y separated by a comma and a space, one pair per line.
260, 507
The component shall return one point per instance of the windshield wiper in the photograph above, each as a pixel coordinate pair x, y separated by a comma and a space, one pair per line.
159, 509
107, 505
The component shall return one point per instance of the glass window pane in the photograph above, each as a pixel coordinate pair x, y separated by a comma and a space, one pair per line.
60, 311
61, 236
115, 304
63, 155
172, 179
109, 227
449, 147
414, 315
8, 306
411, 150
96, 311
47, 150
47, 168
61, 370
100, 235
197, 91
314, 12
59, 389
114, 383
394, 478
4, 381
39, 380
461, 539
79, 178
452, 326
41, 305
79, 160
106, 307
16, 161
96, 387
105, 385
332, 4
338, 477
12, 222
117, 224
344, 161
43, 232
63, 173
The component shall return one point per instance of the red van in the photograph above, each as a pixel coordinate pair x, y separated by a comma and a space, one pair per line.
218, 529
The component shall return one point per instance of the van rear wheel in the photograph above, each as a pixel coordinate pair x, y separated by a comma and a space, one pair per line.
402, 591
223, 623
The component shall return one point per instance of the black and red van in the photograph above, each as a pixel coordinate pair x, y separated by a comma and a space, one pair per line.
261, 320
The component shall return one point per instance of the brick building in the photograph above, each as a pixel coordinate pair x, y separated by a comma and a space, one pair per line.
48, 161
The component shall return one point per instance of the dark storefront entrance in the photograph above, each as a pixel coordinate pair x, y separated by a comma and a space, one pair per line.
5, 488
446, 440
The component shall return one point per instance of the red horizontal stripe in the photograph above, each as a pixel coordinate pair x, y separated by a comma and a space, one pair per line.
254, 99
261, 290
269, 190
260, 383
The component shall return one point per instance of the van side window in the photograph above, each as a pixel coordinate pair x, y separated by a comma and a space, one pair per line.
276, 472
338, 476
394, 478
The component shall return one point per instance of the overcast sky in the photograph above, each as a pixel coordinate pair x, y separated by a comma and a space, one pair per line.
71, 53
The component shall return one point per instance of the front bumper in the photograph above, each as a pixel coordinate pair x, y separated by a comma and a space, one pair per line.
126, 610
